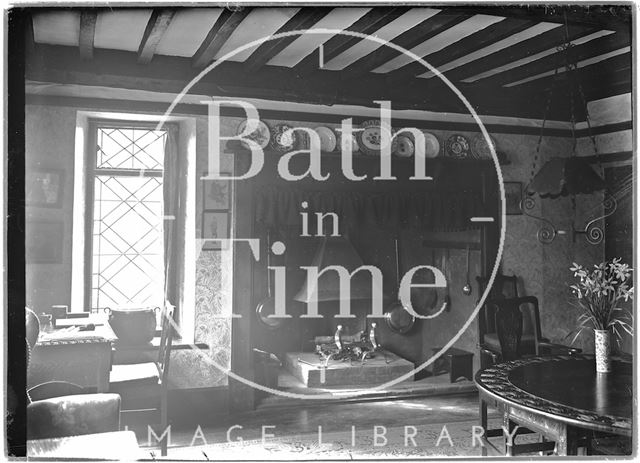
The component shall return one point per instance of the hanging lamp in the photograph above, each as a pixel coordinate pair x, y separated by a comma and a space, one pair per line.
567, 176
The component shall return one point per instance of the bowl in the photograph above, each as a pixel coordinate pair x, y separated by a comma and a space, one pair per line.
133, 326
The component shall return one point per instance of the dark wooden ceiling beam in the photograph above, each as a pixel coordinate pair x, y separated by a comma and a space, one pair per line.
371, 22
409, 39
576, 54
476, 41
119, 69
156, 27
88, 18
537, 44
218, 35
304, 19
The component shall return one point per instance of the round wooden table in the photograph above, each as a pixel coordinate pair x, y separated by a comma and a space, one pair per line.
560, 397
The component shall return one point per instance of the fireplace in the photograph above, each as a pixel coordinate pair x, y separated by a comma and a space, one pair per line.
347, 361
349, 353
370, 219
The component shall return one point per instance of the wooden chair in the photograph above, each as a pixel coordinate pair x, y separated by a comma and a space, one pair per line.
143, 386
531, 342
507, 319
504, 286
508, 314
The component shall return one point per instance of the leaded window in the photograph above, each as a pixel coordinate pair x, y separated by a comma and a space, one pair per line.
127, 256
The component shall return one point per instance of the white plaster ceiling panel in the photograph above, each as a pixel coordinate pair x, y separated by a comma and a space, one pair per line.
188, 29
338, 18
526, 34
615, 142
121, 29
390, 31
261, 22
606, 143
537, 56
441, 40
610, 110
580, 64
59, 27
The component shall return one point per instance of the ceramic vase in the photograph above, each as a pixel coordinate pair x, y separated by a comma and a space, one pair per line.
603, 350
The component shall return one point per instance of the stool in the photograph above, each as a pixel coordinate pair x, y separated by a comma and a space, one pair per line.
457, 362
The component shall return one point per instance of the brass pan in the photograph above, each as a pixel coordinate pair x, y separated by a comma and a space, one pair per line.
398, 318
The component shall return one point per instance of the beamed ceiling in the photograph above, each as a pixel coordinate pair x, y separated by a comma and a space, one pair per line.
503, 59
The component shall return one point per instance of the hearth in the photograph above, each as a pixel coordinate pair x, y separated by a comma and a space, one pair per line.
343, 360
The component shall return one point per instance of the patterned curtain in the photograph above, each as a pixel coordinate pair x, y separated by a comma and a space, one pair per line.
172, 193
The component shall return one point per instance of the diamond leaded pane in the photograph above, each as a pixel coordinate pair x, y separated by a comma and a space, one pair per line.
130, 148
128, 255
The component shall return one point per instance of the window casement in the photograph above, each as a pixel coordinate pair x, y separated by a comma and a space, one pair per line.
134, 223
125, 259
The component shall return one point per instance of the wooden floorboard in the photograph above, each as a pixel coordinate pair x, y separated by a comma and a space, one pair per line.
336, 417
439, 385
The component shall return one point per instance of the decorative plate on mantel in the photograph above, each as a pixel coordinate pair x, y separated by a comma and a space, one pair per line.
457, 146
431, 145
405, 147
354, 143
261, 135
370, 139
480, 148
328, 139
281, 140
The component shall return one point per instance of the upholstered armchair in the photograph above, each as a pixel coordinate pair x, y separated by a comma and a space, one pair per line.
73, 415
60, 409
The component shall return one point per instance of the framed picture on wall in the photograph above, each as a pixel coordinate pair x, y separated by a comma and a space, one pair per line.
216, 193
215, 225
513, 197
44, 242
43, 187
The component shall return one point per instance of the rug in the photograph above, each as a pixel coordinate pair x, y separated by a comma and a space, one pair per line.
415, 442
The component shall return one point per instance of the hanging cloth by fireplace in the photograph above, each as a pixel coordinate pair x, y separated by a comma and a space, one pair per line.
280, 208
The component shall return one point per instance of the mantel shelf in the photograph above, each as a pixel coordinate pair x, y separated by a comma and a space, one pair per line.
360, 155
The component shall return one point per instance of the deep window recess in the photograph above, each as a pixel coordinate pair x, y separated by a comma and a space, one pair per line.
125, 220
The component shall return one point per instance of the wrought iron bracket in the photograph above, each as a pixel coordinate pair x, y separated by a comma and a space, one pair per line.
547, 233
593, 233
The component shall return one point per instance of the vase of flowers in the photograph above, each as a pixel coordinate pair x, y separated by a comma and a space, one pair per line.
598, 293
602, 341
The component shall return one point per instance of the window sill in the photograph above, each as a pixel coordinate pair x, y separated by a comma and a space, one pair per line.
123, 354
177, 344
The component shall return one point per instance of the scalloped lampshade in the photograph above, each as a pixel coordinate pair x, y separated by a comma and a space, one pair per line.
565, 176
